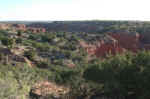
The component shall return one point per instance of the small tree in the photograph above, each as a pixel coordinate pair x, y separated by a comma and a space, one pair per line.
8, 42
19, 41
30, 54
19, 33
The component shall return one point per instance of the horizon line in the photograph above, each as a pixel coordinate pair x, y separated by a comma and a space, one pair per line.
72, 20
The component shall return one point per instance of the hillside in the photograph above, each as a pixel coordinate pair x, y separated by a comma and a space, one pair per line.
75, 60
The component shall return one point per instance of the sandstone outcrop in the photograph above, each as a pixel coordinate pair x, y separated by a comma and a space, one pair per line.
116, 43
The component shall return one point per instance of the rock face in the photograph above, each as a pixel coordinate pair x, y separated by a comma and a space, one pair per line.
5, 26
36, 30
116, 43
20, 27
128, 41
108, 48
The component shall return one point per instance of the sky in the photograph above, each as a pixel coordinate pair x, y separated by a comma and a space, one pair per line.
55, 10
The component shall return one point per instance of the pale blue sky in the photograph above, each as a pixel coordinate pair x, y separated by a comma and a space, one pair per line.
74, 10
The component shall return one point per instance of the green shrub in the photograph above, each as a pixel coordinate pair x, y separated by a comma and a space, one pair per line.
19, 41
30, 54
43, 64
7, 42
122, 74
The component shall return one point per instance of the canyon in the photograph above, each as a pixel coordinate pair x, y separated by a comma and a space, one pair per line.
116, 43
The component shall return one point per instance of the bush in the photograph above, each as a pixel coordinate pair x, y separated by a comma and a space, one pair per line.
43, 64
44, 47
122, 74
7, 42
30, 54
19, 33
15, 82
19, 41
